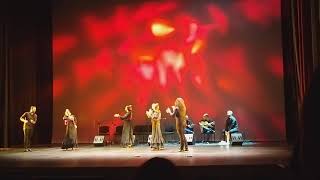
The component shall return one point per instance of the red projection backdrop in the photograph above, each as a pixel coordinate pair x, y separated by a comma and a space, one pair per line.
217, 55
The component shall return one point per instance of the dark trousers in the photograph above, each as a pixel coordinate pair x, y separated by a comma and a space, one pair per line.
183, 141
28, 132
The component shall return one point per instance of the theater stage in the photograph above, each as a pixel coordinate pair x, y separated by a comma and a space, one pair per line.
108, 159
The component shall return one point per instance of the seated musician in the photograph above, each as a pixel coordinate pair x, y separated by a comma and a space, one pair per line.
207, 125
231, 126
190, 125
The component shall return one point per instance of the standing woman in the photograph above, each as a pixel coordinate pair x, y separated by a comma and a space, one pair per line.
154, 114
179, 113
70, 138
127, 130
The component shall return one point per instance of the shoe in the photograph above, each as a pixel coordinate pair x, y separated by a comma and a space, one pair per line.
26, 150
29, 150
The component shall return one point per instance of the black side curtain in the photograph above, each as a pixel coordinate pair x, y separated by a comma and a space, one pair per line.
301, 68
26, 69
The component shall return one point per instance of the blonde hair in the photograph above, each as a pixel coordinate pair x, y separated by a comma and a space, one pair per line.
182, 108
67, 112
128, 108
155, 107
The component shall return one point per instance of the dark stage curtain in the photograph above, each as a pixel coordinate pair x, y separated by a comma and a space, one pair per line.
26, 69
301, 66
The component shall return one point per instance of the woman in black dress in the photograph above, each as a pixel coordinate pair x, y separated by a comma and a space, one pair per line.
127, 130
70, 138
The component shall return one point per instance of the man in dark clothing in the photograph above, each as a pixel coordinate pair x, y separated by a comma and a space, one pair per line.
231, 125
190, 125
29, 120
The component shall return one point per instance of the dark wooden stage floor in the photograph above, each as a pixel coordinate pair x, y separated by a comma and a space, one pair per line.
110, 159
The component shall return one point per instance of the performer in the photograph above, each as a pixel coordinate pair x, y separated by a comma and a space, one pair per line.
154, 114
29, 120
231, 126
127, 130
70, 137
190, 125
207, 126
179, 113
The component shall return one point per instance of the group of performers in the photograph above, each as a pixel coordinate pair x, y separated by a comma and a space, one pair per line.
178, 111
29, 120
207, 126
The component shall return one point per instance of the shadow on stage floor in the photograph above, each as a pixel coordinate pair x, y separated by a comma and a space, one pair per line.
202, 161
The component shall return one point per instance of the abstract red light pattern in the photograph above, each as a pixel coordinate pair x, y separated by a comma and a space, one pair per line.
209, 53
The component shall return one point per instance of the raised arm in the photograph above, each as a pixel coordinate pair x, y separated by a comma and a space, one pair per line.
174, 112
124, 117
65, 117
23, 118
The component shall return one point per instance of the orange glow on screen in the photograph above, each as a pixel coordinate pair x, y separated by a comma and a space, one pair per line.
160, 29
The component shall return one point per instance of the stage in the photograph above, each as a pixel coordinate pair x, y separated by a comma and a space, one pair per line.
100, 161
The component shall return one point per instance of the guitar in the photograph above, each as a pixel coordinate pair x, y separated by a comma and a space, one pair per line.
206, 124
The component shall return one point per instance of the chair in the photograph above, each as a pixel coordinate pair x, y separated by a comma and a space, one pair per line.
118, 134
105, 131
169, 134
142, 132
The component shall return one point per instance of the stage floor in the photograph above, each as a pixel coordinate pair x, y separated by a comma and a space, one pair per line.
115, 156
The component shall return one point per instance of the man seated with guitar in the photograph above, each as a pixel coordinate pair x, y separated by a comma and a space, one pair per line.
207, 125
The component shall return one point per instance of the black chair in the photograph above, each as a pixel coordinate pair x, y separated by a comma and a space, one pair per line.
119, 130
169, 134
142, 132
105, 131
118, 134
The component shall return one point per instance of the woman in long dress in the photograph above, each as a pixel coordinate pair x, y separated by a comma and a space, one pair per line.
127, 130
154, 114
70, 138
179, 113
